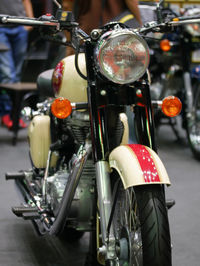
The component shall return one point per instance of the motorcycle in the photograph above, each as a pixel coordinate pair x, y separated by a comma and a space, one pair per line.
175, 70
85, 176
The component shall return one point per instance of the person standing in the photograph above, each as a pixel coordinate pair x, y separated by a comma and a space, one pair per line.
99, 12
91, 14
15, 39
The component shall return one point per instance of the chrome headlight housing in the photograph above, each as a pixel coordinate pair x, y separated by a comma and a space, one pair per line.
122, 56
193, 29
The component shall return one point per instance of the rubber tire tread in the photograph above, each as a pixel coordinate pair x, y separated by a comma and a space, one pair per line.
154, 225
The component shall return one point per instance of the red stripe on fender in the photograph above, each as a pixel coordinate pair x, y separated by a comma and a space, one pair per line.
146, 163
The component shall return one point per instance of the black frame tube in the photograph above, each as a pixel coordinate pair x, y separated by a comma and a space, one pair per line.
144, 119
96, 115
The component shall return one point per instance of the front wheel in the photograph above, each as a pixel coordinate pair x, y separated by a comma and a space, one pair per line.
141, 226
193, 123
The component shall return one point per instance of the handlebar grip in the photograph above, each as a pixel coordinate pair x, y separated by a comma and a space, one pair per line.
5, 19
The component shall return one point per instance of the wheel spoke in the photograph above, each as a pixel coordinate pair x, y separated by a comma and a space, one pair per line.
128, 227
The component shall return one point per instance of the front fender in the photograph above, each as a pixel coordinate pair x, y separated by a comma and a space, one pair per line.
138, 165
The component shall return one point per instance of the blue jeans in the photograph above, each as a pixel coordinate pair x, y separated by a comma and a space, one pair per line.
11, 61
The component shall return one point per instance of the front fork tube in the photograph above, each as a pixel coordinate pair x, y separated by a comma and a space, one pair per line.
150, 120
188, 93
105, 206
100, 146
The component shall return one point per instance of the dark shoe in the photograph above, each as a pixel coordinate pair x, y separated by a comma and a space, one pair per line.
6, 121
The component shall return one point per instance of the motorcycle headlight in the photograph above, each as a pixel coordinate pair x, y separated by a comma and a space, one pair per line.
122, 56
193, 29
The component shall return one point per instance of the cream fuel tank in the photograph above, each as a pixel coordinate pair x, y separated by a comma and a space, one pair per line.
72, 87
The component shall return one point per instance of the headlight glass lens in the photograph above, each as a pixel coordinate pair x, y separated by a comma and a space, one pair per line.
122, 56
193, 29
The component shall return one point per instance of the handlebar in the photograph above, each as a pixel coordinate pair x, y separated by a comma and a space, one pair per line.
5, 19
185, 20
179, 21
65, 22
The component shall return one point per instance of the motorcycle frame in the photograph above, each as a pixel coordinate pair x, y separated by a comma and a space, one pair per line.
138, 96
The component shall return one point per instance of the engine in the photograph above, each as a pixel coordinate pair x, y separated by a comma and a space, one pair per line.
82, 205
55, 189
79, 124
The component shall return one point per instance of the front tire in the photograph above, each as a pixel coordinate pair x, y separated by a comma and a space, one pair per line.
141, 226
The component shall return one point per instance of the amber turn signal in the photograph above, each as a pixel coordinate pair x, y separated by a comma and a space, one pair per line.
171, 106
165, 45
61, 108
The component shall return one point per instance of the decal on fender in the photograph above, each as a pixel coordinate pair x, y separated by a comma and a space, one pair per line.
146, 162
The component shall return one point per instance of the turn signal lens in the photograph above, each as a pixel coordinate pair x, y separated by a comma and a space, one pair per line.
165, 45
171, 106
61, 108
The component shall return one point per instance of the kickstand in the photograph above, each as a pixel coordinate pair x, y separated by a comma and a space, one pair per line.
170, 203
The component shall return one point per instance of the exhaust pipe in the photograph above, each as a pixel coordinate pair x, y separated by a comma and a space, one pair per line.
37, 214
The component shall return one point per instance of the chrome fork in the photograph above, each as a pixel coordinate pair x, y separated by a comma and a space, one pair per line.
105, 206
189, 94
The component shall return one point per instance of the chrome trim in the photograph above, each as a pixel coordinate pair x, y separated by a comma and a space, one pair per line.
104, 196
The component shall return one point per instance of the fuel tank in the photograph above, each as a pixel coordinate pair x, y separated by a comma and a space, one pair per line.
73, 86
40, 140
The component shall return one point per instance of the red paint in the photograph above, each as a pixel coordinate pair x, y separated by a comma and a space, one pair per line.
146, 162
58, 76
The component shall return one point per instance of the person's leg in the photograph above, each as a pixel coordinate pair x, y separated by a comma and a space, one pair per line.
7, 69
11, 62
19, 47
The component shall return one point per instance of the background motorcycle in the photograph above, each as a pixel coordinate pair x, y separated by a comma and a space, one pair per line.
85, 176
175, 70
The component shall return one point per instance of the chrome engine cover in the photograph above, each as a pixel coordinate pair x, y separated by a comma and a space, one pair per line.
81, 213
55, 189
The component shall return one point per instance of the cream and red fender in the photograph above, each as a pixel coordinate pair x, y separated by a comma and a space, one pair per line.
138, 165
